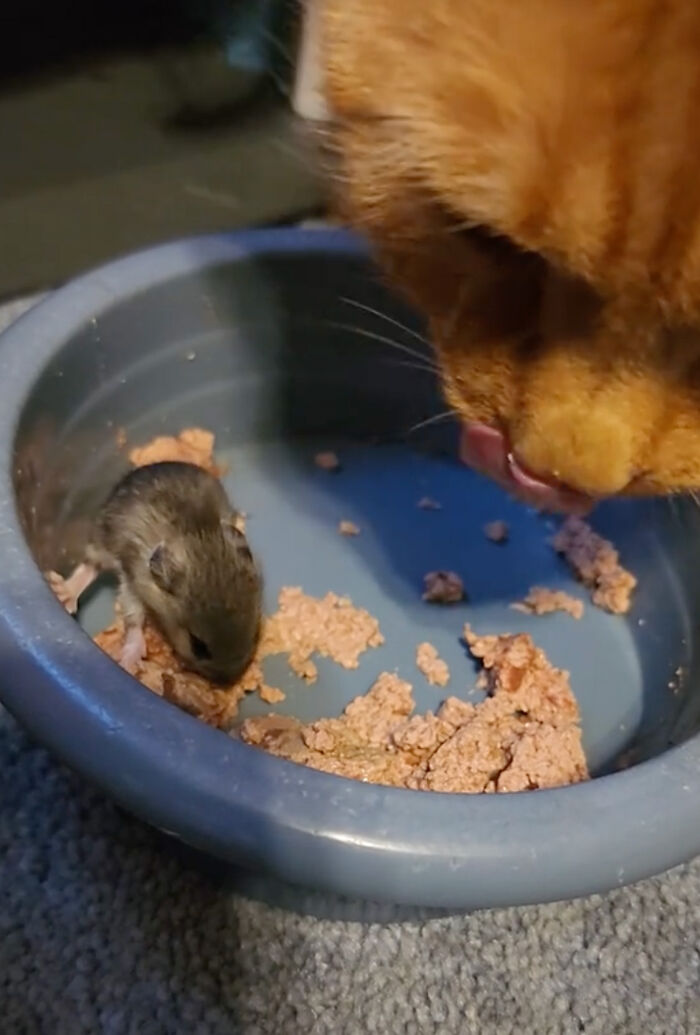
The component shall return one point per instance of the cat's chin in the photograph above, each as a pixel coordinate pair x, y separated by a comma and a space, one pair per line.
486, 450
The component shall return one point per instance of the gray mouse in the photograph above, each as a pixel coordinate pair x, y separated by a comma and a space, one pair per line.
169, 533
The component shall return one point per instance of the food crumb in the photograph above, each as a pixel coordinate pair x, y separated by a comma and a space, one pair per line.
677, 681
427, 503
192, 446
497, 531
596, 562
543, 601
524, 736
431, 665
121, 438
348, 528
271, 694
443, 587
327, 461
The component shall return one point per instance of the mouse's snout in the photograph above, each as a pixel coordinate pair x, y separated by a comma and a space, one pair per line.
229, 672
224, 667
222, 648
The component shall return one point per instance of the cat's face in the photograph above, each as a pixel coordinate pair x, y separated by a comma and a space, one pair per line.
530, 174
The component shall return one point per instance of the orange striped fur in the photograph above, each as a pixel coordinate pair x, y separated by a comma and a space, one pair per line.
529, 171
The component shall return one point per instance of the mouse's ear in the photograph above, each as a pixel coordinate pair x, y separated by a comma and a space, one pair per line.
164, 569
236, 536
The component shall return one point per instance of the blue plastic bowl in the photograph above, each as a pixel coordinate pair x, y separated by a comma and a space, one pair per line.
270, 340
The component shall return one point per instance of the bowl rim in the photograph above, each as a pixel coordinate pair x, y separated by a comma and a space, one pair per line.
235, 801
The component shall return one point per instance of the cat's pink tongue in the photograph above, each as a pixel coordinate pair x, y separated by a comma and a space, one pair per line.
486, 450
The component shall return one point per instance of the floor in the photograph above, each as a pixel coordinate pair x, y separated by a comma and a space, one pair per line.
130, 151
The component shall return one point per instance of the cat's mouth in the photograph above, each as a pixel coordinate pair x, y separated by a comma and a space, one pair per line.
488, 451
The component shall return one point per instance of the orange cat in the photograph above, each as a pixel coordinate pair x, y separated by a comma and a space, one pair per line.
529, 171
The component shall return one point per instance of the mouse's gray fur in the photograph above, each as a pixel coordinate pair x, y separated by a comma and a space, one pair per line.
168, 531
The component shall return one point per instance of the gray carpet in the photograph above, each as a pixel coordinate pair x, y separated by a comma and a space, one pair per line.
107, 929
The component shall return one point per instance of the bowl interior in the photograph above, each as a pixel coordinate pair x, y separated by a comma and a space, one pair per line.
287, 354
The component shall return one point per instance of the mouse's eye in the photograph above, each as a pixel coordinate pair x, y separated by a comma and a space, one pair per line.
199, 648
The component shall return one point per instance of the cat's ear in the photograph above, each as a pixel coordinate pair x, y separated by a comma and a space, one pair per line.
235, 536
165, 570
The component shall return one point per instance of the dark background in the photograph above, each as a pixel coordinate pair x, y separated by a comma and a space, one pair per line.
123, 124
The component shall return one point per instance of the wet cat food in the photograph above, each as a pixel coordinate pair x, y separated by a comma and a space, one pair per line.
543, 601
327, 461
302, 626
524, 735
443, 587
596, 562
497, 531
191, 446
431, 665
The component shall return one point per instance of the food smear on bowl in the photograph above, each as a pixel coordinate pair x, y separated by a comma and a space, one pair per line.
302, 626
525, 735
596, 562
348, 528
443, 587
191, 446
497, 531
429, 662
543, 601
327, 461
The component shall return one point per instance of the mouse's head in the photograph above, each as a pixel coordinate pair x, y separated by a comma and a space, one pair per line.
206, 594
528, 174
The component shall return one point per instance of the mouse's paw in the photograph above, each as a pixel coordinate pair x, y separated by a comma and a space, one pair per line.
69, 591
62, 590
134, 650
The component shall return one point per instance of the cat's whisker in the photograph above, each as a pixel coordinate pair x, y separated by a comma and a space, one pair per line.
298, 154
673, 504
338, 122
453, 317
446, 415
418, 361
407, 364
457, 228
388, 319
383, 340
277, 44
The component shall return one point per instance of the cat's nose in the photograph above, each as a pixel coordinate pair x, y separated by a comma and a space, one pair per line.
592, 453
